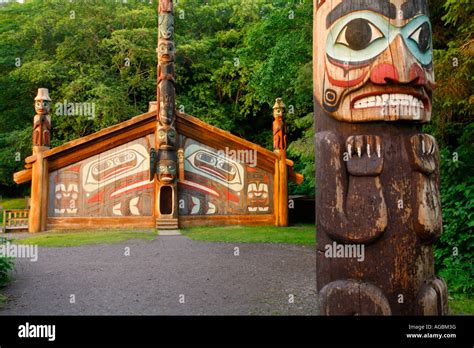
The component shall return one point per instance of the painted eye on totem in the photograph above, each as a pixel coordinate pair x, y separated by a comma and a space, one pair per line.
358, 34
422, 37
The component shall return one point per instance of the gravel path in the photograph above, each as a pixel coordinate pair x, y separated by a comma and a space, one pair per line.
152, 279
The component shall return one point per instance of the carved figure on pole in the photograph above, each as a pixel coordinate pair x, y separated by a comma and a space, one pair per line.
279, 127
166, 137
166, 210
42, 120
376, 173
167, 168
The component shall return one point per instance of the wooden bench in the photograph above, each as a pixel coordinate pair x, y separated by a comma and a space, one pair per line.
15, 219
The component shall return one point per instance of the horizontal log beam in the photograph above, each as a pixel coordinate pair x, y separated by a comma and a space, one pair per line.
74, 223
224, 220
22, 176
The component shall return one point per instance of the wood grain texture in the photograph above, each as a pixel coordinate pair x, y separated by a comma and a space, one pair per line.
22, 176
283, 191
39, 189
74, 223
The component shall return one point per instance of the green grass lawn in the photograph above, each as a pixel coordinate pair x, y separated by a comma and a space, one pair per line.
298, 234
11, 203
462, 305
79, 238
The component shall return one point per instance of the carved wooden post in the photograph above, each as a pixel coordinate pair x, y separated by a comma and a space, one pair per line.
279, 146
377, 205
181, 164
166, 196
41, 139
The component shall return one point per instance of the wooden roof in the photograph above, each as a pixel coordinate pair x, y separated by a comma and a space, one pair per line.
139, 126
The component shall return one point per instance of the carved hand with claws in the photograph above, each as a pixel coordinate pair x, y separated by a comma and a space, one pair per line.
364, 155
354, 209
424, 152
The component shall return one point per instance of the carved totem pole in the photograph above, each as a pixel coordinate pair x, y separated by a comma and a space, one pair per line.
164, 159
279, 147
42, 120
41, 139
279, 127
377, 205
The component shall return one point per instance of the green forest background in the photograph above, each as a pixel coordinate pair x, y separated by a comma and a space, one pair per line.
234, 57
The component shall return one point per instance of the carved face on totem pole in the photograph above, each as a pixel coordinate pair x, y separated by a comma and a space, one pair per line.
165, 26
42, 102
373, 60
167, 166
166, 51
166, 137
279, 131
278, 108
167, 102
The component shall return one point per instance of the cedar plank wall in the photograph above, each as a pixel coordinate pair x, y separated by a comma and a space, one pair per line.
138, 131
216, 192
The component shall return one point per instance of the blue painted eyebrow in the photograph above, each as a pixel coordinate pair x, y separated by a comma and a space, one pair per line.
384, 7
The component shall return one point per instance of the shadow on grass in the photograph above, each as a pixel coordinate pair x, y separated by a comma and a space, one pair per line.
297, 234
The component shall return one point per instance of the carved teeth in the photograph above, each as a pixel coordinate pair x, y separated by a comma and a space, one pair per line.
378, 151
368, 150
359, 152
391, 100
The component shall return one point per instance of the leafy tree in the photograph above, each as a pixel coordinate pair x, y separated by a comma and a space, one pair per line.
452, 125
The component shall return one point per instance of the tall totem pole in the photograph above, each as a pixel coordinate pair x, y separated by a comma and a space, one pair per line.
41, 139
164, 159
279, 147
377, 205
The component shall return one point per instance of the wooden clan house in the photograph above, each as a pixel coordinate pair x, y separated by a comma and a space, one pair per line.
162, 169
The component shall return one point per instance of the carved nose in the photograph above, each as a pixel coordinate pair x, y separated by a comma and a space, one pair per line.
384, 73
398, 66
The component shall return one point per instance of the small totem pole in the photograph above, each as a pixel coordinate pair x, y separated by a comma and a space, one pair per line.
279, 147
42, 120
377, 203
163, 159
279, 127
41, 139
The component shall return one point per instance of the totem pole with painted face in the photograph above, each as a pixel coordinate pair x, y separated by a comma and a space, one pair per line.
165, 159
377, 205
279, 127
42, 120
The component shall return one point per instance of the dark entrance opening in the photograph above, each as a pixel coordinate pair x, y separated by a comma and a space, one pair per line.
166, 200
